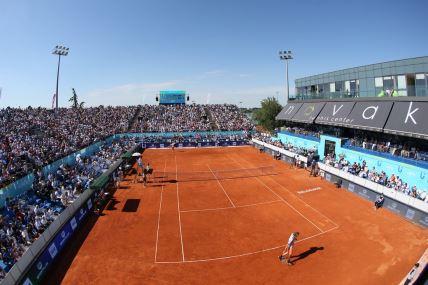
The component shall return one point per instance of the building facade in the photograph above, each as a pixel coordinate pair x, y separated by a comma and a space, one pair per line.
406, 77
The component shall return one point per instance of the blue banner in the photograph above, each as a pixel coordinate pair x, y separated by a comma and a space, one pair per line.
193, 144
46, 258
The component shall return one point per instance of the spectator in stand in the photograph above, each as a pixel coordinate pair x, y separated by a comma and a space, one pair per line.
25, 217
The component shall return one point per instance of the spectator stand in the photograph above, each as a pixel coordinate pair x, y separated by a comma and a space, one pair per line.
422, 163
23, 184
410, 208
41, 254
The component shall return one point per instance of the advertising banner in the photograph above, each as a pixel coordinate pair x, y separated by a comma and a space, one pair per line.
46, 258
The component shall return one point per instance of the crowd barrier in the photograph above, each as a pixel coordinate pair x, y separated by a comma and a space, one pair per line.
23, 184
409, 207
193, 144
183, 134
31, 267
286, 155
404, 205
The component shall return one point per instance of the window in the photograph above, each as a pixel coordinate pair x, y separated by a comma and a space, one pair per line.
388, 82
401, 82
339, 86
378, 82
420, 85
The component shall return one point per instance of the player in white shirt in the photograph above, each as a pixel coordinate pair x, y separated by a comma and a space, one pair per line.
289, 248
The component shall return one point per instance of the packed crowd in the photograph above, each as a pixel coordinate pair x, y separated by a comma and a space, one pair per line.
25, 217
173, 118
304, 132
362, 170
189, 118
36, 137
267, 138
228, 118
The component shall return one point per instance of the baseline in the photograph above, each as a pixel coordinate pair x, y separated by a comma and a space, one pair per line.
243, 254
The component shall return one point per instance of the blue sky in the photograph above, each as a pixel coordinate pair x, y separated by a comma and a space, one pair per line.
124, 52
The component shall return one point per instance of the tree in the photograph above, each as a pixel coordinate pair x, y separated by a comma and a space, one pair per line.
75, 103
267, 113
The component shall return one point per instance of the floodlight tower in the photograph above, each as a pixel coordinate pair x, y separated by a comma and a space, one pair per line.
59, 50
286, 55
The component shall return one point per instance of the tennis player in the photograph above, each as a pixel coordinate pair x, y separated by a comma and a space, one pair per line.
289, 248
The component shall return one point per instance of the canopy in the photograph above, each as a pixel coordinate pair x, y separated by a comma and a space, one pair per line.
288, 111
370, 115
408, 119
335, 113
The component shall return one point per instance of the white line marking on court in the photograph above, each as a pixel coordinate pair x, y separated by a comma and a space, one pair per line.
178, 207
219, 183
243, 254
226, 208
291, 192
289, 205
305, 202
160, 207
276, 194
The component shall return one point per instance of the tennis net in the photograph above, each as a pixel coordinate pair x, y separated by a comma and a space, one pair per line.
180, 176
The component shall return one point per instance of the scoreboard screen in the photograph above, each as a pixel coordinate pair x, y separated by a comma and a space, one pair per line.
172, 97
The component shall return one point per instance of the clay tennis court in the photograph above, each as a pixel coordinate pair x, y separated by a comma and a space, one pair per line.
230, 231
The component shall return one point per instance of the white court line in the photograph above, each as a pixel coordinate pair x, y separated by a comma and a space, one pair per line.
178, 207
305, 202
289, 205
291, 192
226, 208
160, 207
219, 183
243, 254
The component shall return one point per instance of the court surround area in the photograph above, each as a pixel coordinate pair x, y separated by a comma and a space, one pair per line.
230, 231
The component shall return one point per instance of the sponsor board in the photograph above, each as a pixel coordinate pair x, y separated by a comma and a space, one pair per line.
410, 214
53, 250
35, 273
89, 203
393, 206
194, 144
364, 193
73, 223
424, 220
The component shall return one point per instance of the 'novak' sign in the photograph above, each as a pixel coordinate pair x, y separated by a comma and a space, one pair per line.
408, 118
335, 113
369, 115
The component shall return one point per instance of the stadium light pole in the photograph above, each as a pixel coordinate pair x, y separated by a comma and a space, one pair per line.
286, 55
59, 50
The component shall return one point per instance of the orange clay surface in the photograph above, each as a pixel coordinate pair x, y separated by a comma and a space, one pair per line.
232, 231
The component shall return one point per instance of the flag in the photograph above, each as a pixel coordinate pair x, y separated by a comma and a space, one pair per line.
53, 100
